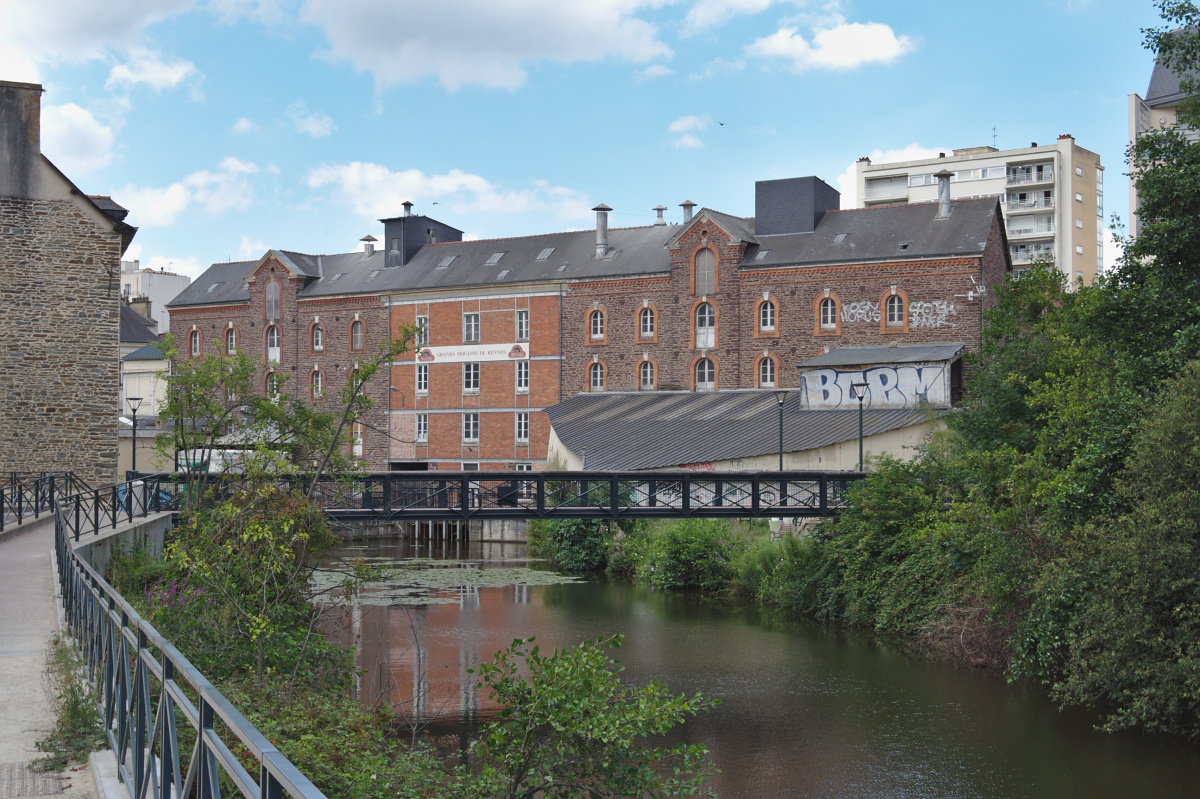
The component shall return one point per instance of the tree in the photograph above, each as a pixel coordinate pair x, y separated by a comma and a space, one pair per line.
571, 730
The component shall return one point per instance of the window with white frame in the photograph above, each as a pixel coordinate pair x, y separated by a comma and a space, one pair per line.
706, 326
356, 439
646, 376
231, 341
470, 328
646, 323
273, 384
522, 375
422, 429
597, 325
523, 426
318, 337
895, 311
422, 378
766, 373
422, 326
273, 344
525, 486
272, 300
706, 272
195, 343
522, 325
356, 336
596, 377
471, 427
706, 375
470, 378
766, 317
828, 314
318, 384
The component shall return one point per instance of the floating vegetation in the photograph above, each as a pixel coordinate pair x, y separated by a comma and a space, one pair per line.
421, 582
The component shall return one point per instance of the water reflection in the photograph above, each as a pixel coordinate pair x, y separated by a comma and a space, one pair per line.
803, 712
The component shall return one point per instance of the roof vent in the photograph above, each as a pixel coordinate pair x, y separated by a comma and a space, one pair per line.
407, 208
943, 179
659, 209
368, 244
601, 229
688, 205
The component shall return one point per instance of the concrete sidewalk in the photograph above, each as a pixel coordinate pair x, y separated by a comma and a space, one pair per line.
28, 620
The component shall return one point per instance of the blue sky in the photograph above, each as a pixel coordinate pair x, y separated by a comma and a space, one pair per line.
230, 126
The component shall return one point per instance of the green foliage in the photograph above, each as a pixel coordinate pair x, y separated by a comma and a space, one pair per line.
693, 553
576, 546
571, 729
77, 730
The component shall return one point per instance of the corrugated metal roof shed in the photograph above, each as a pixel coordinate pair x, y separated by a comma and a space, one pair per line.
150, 352
871, 356
622, 431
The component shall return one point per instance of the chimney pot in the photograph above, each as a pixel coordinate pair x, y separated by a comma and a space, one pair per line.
407, 208
601, 229
943, 179
368, 244
688, 205
659, 209
1033, 144
941, 155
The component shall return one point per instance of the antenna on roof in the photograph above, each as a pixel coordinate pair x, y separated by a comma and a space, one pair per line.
993, 135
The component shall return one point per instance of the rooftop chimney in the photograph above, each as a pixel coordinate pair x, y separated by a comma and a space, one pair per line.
368, 244
659, 209
601, 229
407, 208
688, 205
20, 138
943, 179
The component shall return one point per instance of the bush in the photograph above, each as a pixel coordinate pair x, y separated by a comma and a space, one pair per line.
694, 553
577, 546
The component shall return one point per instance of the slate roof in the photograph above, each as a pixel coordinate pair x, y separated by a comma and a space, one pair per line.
649, 430
135, 328
885, 233
870, 356
150, 352
871, 234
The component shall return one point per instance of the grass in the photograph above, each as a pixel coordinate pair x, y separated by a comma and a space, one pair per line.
77, 731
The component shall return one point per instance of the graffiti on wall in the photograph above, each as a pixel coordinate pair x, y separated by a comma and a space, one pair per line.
931, 314
860, 311
887, 386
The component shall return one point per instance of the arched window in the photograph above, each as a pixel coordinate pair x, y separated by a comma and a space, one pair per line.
318, 384
766, 372
895, 311
231, 341
272, 304
706, 272
766, 317
356, 336
646, 323
706, 375
194, 345
646, 376
596, 377
706, 326
273, 384
828, 314
318, 337
597, 325
273, 344
356, 439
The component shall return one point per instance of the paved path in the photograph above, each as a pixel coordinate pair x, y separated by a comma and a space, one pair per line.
28, 619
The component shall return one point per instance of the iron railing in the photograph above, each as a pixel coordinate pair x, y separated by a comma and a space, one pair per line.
96, 509
30, 494
147, 688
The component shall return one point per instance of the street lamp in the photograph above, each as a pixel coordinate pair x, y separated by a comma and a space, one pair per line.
780, 396
860, 391
134, 404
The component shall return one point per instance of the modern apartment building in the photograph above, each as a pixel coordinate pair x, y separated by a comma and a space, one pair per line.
1156, 111
1052, 197
151, 289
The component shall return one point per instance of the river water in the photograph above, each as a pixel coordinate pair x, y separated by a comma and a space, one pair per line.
804, 712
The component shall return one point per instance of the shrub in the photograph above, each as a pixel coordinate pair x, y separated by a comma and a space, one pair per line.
577, 546
694, 553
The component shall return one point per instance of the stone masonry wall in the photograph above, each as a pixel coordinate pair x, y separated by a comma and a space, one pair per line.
59, 340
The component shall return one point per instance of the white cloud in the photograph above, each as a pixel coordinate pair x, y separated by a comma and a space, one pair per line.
188, 265
244, 125
147, 67
216, 192
466, 42
707, 13
250, 248
38, 34
718, 66
74, 140
841, 45
374, 191
653, 71
133, 252
848, 180
314, 123
684, 126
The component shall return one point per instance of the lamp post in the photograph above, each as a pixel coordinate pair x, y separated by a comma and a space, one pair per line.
860, 392
780, 396
134, 404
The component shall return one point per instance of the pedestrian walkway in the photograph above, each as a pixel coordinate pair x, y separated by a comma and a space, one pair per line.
28, 620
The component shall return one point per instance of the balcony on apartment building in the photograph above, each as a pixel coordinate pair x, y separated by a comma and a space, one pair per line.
1028, 228
1028, 253
891, 189
1021, 176
1029, 203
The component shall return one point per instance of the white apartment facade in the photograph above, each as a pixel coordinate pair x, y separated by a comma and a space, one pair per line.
158, 287
1052, 197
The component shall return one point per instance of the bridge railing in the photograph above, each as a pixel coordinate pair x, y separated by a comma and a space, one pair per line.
90, 511
25, 495
148, 689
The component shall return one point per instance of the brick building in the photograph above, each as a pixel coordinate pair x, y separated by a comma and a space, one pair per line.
60, 261
509, 327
